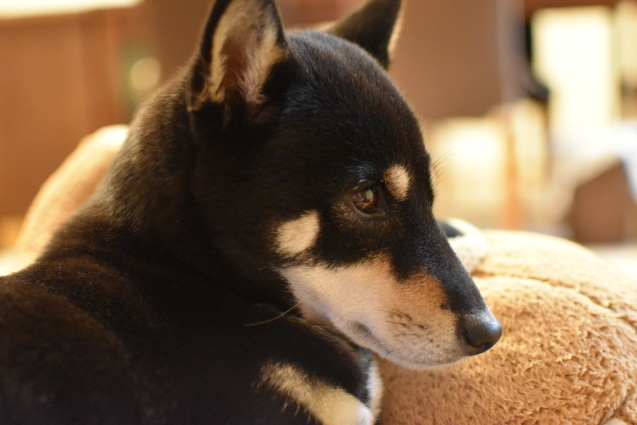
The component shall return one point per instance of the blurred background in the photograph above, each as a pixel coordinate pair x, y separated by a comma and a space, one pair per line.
529, 107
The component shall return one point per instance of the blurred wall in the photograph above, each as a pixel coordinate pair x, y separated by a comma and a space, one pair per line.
62, 77
175, 26
459, 58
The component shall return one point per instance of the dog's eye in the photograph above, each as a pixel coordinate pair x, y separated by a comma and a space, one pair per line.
365, 198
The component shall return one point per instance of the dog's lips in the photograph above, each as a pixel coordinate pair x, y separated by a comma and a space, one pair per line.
365, 337
366, 334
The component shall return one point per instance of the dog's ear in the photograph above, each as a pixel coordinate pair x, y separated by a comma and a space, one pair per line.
243, 42
373, 27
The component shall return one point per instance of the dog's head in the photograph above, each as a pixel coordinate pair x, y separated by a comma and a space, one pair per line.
310, 167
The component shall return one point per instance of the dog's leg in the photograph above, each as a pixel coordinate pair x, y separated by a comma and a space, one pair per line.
328, 404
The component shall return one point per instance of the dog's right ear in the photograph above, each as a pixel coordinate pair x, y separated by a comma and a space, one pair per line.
243, 41
373, 27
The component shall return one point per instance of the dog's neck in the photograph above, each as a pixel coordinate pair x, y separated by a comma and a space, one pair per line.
146, 201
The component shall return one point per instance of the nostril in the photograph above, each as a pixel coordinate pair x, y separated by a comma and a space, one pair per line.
480, 332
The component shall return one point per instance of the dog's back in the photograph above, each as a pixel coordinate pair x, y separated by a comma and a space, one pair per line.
266, 225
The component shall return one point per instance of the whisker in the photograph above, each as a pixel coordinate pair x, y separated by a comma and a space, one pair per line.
265, 322
397, 313
398, 323
413, 335
439, 169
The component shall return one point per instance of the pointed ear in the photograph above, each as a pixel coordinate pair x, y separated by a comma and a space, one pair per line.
373, 27
242, 43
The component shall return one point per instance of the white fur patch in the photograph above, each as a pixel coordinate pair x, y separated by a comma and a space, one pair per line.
374, 389
397, 180
330, 405
402, 321
298, 235
258, 30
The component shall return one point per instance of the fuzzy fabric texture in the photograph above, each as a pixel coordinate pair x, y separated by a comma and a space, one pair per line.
64, 191
569, 350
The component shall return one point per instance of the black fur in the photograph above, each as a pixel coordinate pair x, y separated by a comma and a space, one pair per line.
374, 39
153, 305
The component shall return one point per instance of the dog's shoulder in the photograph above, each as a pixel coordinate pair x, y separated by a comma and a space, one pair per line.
50, 346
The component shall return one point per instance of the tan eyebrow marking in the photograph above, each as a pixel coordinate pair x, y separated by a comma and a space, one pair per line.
298, 235
397, 180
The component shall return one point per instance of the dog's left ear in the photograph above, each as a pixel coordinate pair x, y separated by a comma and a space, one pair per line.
373, 27
243, 42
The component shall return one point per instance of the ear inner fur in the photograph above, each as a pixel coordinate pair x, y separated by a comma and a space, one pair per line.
244, 46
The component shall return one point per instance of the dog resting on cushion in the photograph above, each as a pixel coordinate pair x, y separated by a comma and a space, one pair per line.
569, 355
266, 228
569, 352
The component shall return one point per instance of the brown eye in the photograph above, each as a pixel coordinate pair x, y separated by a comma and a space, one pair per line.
365, 199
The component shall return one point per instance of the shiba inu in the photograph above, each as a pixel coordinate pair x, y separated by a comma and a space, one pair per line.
265, 230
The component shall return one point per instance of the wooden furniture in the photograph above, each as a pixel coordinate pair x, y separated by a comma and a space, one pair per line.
61, 77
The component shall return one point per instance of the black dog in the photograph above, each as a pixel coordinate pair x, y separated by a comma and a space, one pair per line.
267, 226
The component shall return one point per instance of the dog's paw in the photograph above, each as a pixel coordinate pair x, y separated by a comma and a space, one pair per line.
330, 405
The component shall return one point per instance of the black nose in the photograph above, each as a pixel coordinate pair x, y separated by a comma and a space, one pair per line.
481, 331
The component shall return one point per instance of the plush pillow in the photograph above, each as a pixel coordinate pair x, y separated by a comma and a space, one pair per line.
64, 191
568, 354
569, 350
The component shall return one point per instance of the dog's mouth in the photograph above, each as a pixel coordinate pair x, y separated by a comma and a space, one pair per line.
410, 358
365, 334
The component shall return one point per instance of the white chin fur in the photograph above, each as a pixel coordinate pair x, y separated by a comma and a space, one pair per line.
401, 321
421, 360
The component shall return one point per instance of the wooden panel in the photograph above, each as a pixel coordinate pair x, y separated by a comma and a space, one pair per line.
59, 81
449, 57
43, 110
